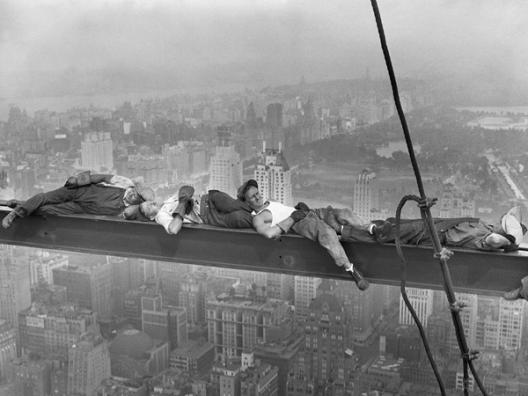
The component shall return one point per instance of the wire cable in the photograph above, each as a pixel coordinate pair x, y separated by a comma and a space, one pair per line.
467, 356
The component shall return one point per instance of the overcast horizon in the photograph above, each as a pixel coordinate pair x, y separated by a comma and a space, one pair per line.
136, 45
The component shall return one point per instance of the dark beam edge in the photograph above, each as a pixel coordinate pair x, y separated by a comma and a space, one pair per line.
379, 262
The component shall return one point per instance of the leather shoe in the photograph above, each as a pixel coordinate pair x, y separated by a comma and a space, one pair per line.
381, 231
361, 283
8, 219
520, 292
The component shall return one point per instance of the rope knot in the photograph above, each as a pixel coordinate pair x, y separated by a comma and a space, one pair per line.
457, 306
426, 203
444, 254
472, 354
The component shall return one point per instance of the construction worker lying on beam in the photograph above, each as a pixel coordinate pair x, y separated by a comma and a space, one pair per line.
86, 193
215, 208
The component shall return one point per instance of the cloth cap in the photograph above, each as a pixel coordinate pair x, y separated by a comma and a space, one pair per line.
185, 192
241, 193
511, 224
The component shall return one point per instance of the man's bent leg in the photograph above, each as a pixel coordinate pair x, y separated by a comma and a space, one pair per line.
57, 196
312, 227
64, 208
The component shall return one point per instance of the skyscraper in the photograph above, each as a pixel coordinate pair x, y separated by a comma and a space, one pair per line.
89, 285
305, 290
274, 115
50, 330
422, 302
226, 166
192, 297
88, 365
8, 350
97, 151
237, 324
511, 315
166, 324
365, 195
273, 176
15, 292
326, 344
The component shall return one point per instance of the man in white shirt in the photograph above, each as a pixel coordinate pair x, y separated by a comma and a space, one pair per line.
272, 219
215, 208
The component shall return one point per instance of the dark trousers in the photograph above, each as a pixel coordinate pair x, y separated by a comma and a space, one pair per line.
91, 199
412, 231
221, 210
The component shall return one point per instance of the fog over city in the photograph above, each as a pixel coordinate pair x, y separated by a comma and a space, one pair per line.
134, 45
199, 197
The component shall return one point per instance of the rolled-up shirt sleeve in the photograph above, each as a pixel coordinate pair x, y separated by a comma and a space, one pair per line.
165, 214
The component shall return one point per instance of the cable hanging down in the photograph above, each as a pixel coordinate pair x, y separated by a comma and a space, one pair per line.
424, 204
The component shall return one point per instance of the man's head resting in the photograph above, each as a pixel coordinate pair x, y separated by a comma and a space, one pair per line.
138, 194
242, 190
249, 193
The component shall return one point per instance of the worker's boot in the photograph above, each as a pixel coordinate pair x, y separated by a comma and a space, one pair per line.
381, 231
518, 293
361, 283
11, 216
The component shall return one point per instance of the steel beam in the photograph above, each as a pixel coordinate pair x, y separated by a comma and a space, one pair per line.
472, 271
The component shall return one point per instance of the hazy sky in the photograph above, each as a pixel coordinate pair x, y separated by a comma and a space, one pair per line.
272, 40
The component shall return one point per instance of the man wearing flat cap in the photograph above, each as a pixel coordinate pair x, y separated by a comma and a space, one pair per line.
272, 219
97, 194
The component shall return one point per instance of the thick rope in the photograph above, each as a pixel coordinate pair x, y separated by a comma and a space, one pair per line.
428, 219
403, 291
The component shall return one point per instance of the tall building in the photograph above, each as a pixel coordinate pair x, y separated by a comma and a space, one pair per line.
325, 349
192, 297
226, 165
8, 348
365, 195
42, 264
422, 302
305, 290
97, 151
132, 305
88, 365
454, 203
49, 330
166, 324
15, 294
237, 324
31, 376
511, 315
279, 286
282, 355
88, 285
274, 116
273, 176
